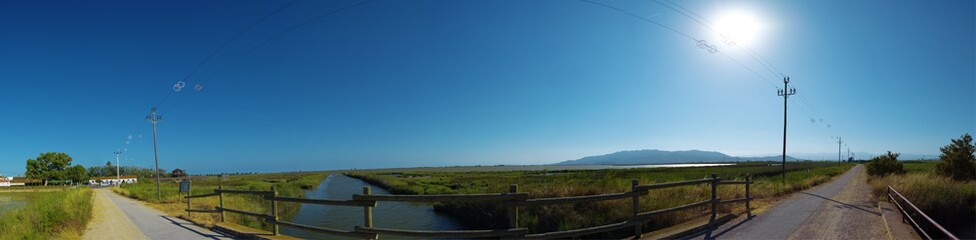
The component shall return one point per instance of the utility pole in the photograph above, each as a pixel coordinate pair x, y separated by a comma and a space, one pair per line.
848, 152
839, 141
118, 175
785, 93
153, 118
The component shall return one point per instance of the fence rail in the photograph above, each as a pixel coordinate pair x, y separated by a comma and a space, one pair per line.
897, 197
511, 200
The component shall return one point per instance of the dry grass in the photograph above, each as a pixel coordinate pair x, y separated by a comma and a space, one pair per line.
949, 202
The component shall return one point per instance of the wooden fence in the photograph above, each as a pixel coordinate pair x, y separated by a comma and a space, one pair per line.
511, 200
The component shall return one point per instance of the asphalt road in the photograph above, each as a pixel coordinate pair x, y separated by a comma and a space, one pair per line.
840, 209
118, 217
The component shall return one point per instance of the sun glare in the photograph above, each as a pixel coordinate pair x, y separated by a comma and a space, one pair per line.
739, 27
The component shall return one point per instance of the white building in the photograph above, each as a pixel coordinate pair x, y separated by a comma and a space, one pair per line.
5, 181
112, 180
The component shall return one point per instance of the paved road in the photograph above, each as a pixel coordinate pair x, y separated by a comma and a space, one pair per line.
117, 217
840, 209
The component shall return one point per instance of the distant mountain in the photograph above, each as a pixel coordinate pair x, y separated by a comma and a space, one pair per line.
661, 157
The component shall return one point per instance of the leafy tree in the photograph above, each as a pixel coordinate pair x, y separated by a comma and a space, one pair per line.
957, 160
77, 174
49, 166
885, 164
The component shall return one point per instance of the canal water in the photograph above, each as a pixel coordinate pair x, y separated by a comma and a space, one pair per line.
385, 214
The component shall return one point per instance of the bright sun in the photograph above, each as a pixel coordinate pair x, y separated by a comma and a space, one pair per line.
739, 26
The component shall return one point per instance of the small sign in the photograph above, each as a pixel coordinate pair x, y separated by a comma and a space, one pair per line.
185, 186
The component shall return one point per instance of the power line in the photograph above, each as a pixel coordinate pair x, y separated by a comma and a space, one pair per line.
200, 84
232, 39
701, 42
728, 40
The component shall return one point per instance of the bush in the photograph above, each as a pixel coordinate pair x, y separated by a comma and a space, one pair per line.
957, 161
885, 164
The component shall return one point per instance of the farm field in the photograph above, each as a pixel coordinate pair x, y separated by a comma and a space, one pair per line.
562, 183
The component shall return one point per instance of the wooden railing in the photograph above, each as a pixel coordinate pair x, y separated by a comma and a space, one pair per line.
897, 198
511, 200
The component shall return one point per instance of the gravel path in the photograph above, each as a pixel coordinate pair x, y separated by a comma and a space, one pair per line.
108, 221
840, 209
117, 217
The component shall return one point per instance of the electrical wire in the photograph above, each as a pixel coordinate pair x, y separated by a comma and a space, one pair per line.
272, 38
230, 40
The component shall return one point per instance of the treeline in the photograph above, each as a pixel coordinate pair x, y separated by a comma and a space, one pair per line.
108, 170
956, 161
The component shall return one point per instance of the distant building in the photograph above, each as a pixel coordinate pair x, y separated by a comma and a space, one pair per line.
5, 181
178, 173
22, 181
113, 180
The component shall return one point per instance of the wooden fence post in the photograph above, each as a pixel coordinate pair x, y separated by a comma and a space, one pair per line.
367, 211
513, 210
637, 228
188, 193
748, 198
714, 202
220, 196
274, 211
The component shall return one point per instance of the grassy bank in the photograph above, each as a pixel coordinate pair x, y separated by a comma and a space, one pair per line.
49, 215
951, 203
289, 185
541, 184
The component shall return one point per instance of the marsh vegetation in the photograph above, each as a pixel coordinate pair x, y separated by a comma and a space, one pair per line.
543, 184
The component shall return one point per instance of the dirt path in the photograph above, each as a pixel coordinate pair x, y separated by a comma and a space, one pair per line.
840, 209
117, 217
108, 221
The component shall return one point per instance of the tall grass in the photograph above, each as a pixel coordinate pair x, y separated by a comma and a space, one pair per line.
173, 203
544, 184
49, 215
948, 202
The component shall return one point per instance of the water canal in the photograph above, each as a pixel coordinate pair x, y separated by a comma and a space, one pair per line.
386, 214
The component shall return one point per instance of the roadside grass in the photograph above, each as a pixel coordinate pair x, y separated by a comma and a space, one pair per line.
49, 215
544, 184
172, 202
948, 202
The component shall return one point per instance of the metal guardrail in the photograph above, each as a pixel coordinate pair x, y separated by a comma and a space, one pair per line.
511, 200
905, 215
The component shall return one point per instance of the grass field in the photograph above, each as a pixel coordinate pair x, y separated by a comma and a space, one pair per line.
540, 184
47, 215
951, 203
287, 184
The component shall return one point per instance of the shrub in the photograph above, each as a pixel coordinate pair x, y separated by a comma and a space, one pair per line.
885, 164
957, 161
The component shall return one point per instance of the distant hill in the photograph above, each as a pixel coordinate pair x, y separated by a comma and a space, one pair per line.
661, 157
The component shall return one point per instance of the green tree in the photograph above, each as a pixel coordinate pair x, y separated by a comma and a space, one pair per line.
885, 164
957, 160
49, 166
76, 174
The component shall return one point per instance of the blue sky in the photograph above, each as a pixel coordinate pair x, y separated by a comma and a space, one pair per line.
441, 83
